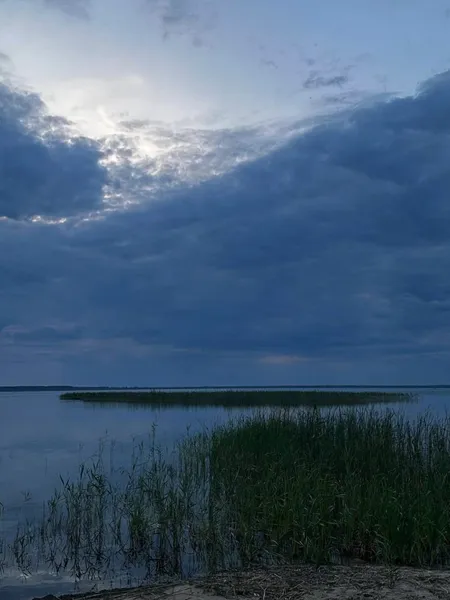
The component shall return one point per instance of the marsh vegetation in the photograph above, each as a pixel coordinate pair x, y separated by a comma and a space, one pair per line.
280, 486
239, 398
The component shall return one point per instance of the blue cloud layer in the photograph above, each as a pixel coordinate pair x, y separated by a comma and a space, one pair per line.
331, 247
42, 170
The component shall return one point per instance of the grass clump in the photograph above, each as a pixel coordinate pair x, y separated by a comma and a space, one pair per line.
273, 487
238, 398
361, 485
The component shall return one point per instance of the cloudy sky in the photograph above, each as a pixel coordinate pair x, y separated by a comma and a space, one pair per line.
211, 192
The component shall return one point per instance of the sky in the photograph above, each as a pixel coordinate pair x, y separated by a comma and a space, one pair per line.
211, 192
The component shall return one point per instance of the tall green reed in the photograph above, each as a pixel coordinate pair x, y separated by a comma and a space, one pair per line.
358, 483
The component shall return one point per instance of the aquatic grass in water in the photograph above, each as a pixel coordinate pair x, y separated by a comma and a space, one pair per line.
239, 398
361, 484
135, 521
276, 486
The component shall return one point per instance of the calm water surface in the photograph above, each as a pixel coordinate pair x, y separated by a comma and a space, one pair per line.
42, 438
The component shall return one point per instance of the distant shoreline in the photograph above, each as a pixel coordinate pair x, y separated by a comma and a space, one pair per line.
69, 388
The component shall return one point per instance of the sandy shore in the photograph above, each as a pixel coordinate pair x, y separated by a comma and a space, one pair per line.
304, 582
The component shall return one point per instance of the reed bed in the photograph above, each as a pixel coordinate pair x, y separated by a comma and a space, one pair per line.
358, 484
239, 398
279, 486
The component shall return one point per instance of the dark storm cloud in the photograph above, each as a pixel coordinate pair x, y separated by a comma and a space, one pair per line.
42, 170
334, 246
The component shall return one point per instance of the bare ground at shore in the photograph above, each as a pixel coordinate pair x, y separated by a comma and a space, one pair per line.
306, 582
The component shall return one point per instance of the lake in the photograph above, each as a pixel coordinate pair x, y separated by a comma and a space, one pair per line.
42, 438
